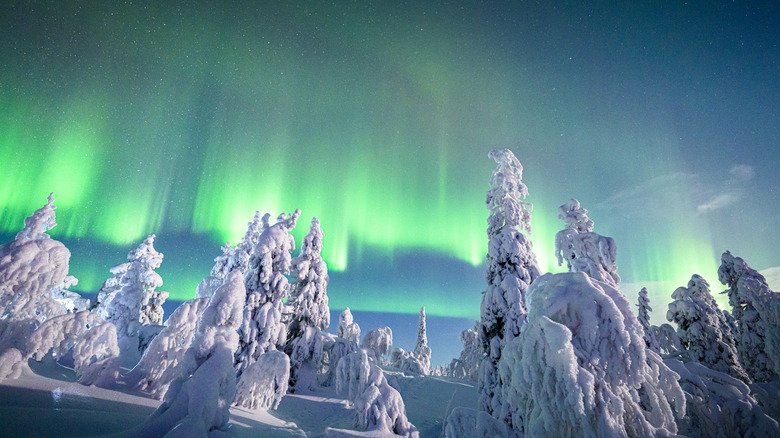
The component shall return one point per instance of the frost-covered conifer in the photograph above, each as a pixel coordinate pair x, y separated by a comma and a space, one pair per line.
264, 382
71, 301
421, 350
699, 328
584, 250
466, 366
31, 267
756, 309
109, 289
348, 328
137, 303
643, 315
218, 273
160, 362
267, 287
378, 406
511, 267
308, 305
580, 366
199, 400
378, 342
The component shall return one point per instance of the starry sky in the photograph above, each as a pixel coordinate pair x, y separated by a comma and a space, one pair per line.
183, 118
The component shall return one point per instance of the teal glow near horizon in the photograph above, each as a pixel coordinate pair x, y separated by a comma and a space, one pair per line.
184, 120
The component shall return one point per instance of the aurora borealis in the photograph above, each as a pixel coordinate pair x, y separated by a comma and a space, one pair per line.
183, 118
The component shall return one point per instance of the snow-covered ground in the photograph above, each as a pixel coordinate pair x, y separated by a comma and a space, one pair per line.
46, 401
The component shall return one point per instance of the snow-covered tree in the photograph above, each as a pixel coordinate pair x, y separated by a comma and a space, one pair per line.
198, 401
31, 267
580, 366
378, 342
511, 267
584, 250
308, 304
160, 363
348, 328
378, 406
71, 301
699, 328
109, 289
218, 273
643, 315
466, 366
137, 303
264, 382
267, 287
756, 309
421, 350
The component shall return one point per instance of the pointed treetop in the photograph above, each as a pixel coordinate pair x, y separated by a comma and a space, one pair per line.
504, 199
43, 220
575, 216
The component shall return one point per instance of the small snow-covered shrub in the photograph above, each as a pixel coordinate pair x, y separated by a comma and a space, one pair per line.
160, 363
336, 349
306, 359
378, 342
467, 423
378, 406
348, 328
265, 382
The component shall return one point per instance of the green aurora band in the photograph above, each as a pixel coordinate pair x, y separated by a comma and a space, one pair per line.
184, 121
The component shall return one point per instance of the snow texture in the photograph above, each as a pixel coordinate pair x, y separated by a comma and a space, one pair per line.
137, 303
378, 342
160, 363
265, 382
267, 287
71, 301
198, 401
584, 250
467, 423
580, 366
511, 267
378, 406
702, 329
757, 311
719, 405
348, 328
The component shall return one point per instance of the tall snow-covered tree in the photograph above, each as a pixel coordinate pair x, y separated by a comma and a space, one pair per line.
310, 314
756, 309
511, 267
643, 315
580, 366
109, 289
267, 287
198, 401
31, 267
699, 328
137, 303
421, 350
584, 250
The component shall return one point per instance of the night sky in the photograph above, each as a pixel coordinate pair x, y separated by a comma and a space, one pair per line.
183, 118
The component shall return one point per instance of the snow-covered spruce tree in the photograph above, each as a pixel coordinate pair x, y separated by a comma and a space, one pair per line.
137, 303
160, 363
378, 406
348, 328
511, 267
699, 328
310, 314
198, 401
267, 287
71, 301
466, 366
31, 267
756, 309
584, 250
264, 382
643, 315
109, 289
421, 350
378, 342
580, 366
218, 273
